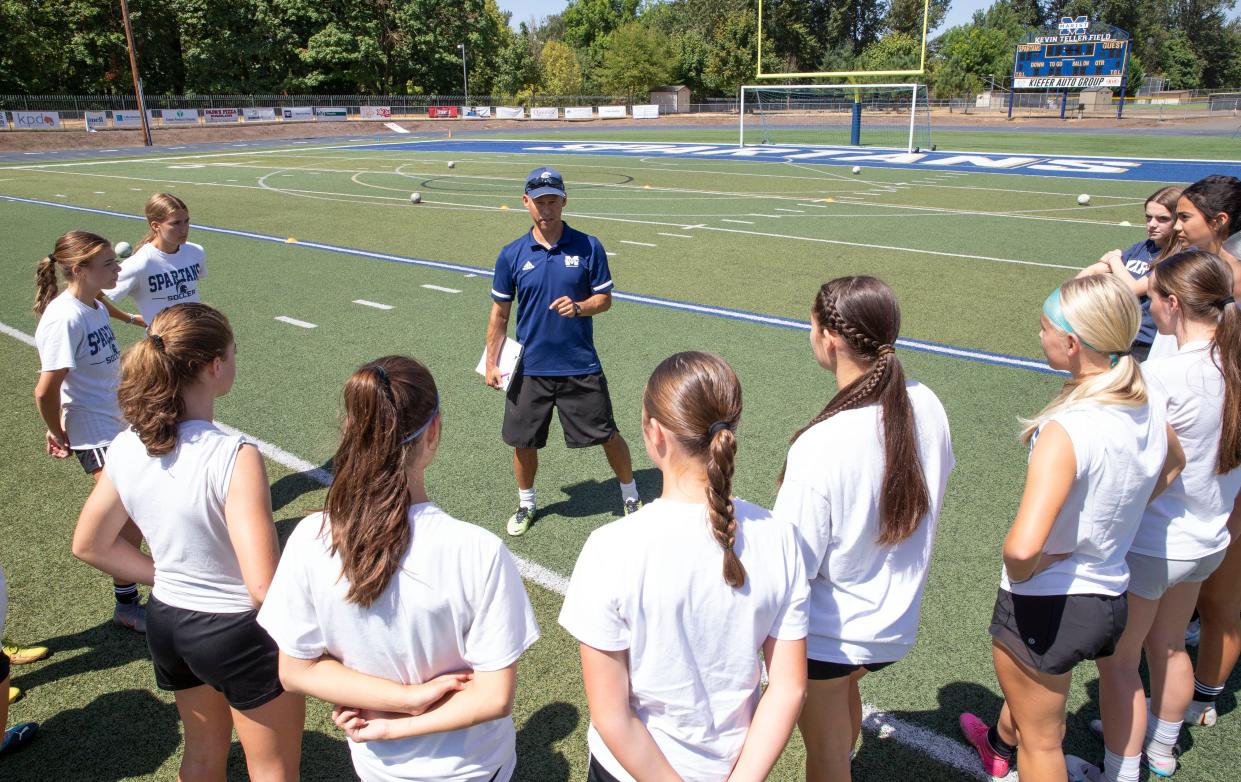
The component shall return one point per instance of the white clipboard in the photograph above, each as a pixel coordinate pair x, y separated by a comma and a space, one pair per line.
510, 354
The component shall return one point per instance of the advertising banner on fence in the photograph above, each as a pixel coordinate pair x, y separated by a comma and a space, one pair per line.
510, 112
180, 116
648, 111
126, 119
36, 120
258, 115
611, 112
298, 113
221, 115
331, 113
579, 112
476, 112
546, 112
442, 112
4, 122
376, 112
95, 119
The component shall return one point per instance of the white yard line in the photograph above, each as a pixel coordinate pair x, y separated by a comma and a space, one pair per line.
441, 289
295, 322
373, 304
675, 236
742, 222
639, 244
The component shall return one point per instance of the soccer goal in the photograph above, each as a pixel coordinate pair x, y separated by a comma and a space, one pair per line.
894, 116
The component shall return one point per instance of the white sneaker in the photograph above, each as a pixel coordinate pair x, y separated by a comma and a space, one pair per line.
1201, 713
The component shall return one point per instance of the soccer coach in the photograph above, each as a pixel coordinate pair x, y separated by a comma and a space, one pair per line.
560, 279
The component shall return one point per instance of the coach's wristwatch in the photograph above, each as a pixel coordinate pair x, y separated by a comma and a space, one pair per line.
577, 310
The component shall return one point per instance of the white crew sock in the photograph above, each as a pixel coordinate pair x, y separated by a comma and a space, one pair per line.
629, 491
525, 497
1118, 768
1162, 734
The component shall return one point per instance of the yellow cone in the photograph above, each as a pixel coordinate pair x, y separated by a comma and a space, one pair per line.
290, 240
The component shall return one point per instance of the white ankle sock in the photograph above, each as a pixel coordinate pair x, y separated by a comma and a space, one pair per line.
1118, 768
525, 497
629, 491
1162, 734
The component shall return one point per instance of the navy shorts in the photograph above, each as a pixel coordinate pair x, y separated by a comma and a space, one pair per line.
229, 652
819, 670
91, 459
581, 401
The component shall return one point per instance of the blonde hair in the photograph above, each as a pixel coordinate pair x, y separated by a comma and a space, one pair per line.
72, 250
1105, 316
160, 208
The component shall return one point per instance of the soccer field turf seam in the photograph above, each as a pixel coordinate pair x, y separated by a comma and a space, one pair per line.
887, 726
985, 357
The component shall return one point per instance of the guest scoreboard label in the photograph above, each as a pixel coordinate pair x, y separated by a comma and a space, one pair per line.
1078, 54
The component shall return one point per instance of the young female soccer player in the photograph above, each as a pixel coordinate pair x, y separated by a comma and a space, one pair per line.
867, 514
165, 268
1184, 533
1099, 451
80, 368
670, 643
1134, 264
384, 604
201, 498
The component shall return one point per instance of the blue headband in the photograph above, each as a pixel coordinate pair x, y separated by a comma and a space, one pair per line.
1053, 309
414, 435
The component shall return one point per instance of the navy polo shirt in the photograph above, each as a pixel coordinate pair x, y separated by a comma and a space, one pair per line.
577, 267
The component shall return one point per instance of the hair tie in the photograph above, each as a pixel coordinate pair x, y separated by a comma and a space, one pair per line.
384, 382
885, 350
1224, 302
414, 435
157, 341
1116, 356
717, 427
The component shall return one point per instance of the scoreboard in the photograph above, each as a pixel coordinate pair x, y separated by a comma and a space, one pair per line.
1076, 55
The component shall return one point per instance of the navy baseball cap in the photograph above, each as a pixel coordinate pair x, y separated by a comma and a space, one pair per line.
544, 181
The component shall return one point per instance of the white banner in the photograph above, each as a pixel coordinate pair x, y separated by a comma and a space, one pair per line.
476, 112
180, 116
126, 119
96, 119
376, 112
331, 113
298, 113
545, 113
579, 112
221, 115
611, 112
36, 120
258, 115
1065, 82
4, 122
648, 111
510, 112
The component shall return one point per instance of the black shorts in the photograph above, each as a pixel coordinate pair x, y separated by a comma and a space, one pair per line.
229, 652
581, 401
5, 667
1053, 633
818, 670
91, 459
597, 773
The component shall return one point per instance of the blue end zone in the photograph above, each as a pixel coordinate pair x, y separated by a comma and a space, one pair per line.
1080, 167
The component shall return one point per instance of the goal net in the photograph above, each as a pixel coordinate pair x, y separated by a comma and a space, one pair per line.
893, 116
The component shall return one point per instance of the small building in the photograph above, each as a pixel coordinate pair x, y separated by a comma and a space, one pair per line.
1095, 99
671, 99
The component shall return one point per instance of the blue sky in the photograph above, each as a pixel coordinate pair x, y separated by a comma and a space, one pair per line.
522, 10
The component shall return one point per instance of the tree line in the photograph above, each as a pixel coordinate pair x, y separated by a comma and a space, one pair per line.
594, 47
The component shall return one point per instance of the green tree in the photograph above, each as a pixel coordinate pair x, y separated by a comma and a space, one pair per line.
905, 16
588, 20
734, 53
635, 59
561, 73
517, 69
969, 55
1179, 64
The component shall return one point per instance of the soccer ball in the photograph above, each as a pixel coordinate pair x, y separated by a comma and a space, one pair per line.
857, 169
123, 250
452, 164
415, 198
1083, 199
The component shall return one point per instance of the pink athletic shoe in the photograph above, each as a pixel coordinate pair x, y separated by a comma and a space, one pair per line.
975, 731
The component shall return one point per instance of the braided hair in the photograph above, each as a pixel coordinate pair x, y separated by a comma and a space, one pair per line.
864, 312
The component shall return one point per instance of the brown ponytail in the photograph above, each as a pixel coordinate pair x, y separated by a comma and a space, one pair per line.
73, 249
181, 341
385, 401
1202, 284
160, 208
697, 398
864, 311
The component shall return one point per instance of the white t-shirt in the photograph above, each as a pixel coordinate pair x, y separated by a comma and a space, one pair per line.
156, 280
456, 603
177, 500
1190, 519
1162, 346
73, 336
865, 599
1120, 451
653, 583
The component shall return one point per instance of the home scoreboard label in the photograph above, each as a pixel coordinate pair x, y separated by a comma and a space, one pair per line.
1077, 54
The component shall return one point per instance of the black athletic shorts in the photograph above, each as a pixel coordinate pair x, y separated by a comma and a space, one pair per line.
228, 652
1053, 633
818, 670
5, 667
91, 459
581, 401
598, 773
